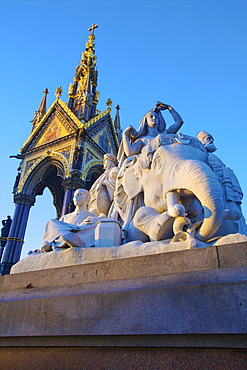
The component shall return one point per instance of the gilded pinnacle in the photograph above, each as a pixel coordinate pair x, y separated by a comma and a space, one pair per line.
58, 92
109, 103
82, 92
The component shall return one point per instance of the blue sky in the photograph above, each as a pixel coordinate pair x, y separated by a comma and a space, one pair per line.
189, 54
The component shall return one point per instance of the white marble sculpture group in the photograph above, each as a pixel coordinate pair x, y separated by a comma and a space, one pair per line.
167, 186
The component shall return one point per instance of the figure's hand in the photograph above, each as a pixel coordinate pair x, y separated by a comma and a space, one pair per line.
162, 106
90, 220
129, 131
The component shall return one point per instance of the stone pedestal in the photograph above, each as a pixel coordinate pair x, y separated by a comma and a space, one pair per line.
182, 310
108, 233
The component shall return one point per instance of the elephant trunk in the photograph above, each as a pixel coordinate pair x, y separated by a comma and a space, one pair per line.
200, 180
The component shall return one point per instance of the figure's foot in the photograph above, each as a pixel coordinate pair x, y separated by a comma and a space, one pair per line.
46, 247
73, 240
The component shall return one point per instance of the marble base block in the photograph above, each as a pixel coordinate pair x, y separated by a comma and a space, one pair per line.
183, 309
108, 233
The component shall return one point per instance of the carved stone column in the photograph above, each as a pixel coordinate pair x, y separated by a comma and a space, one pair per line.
17, 231
70, 185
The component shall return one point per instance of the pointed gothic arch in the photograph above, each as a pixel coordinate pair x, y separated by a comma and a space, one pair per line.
92, 175
49, 171
53, 182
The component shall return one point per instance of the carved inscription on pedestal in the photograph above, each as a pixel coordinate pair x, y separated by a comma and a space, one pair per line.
91, 274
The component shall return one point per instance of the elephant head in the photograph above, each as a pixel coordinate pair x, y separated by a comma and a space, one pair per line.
176, 178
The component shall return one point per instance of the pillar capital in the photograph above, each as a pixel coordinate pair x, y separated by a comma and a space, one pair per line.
25, 199
74, 181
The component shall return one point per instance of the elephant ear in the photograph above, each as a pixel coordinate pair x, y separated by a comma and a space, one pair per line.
132, 181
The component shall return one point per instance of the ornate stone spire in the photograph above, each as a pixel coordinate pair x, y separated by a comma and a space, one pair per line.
117, 124
83, 96
38, 114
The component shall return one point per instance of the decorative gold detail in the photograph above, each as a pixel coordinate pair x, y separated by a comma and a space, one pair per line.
67, 153
64, 106
71, 114
83, 96
91, 164
58, 92
33, 133
109, 103
73, 117
40, 159
95, 119
13, 238
55, 130
71, 88
96, 98
93, 28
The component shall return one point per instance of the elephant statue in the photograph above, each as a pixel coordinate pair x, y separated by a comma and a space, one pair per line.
179, 189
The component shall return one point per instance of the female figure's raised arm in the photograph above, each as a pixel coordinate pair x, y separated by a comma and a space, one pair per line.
129, 147
173, 129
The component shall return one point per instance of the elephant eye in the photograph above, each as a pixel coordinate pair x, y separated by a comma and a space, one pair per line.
157, 162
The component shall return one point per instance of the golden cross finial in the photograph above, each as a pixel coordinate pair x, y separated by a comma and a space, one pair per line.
109, 103
93, 28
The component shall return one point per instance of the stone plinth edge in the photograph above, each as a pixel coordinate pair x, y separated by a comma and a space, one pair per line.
214, 257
